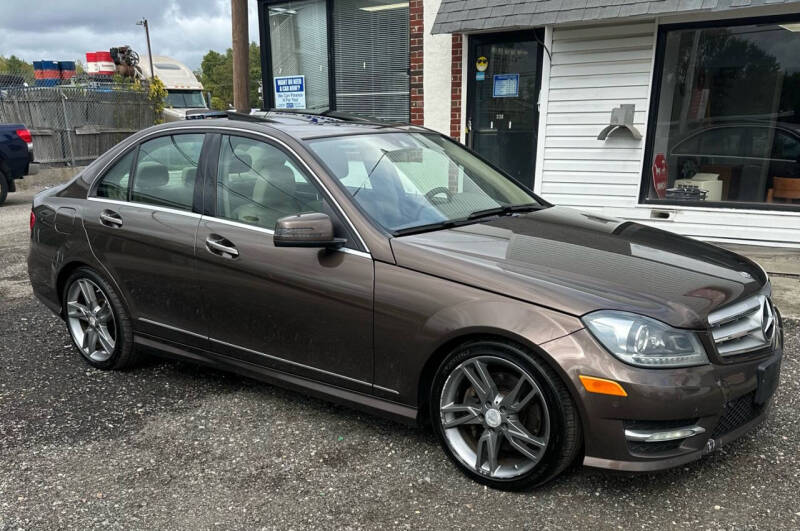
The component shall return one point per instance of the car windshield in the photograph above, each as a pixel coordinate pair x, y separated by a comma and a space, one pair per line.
416, 181
185, 99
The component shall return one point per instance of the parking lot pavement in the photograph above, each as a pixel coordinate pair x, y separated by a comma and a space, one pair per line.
171, 445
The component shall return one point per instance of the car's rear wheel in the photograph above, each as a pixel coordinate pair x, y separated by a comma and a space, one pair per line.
503, 416
98, 321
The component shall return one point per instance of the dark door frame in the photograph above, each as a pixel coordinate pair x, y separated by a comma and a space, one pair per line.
536, 35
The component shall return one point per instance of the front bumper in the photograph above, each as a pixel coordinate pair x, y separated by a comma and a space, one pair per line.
723, 400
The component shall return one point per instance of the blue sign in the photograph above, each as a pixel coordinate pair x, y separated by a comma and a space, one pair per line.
480, 76
290, 92
505, 85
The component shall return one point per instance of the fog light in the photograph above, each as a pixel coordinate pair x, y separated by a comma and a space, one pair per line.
661, 436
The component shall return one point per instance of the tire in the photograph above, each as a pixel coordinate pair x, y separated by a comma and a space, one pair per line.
531, 419
4, 187
107, 317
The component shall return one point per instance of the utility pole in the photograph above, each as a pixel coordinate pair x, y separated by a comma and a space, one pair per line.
143, 22
241, 53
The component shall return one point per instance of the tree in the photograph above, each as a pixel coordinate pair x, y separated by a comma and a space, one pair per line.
216, 74
15, 65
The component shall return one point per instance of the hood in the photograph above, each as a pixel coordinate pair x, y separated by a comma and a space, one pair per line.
577, 263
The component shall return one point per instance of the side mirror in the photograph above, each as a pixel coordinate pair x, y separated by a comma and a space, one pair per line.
306, 230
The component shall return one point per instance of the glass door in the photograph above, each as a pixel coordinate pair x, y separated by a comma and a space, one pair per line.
502, 101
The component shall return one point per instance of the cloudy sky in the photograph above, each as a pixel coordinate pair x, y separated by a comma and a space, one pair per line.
66, 29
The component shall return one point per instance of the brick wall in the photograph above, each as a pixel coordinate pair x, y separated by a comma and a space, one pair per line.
455, 86
416, 33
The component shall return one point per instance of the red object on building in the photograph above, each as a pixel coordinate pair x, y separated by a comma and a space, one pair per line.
105, 64
416, 35
660, 174
455, 85
91, 63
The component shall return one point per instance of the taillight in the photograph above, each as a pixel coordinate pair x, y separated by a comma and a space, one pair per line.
33, 219
25, 135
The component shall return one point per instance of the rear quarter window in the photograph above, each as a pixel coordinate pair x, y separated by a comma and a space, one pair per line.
114, 184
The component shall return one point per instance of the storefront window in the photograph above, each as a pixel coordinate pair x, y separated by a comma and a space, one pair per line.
371, 58
727, 125
298, 34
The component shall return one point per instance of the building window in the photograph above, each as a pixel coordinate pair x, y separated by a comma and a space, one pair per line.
725, 126
298, 38
367, 73
371, 54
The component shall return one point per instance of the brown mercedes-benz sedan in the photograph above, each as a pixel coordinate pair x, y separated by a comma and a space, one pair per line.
390, 268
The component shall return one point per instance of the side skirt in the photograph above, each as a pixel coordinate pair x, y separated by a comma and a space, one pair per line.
362, 402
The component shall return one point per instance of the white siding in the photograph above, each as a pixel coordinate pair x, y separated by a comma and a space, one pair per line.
593, 70
436, 50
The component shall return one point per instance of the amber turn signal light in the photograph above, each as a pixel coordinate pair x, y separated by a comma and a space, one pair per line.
602, 386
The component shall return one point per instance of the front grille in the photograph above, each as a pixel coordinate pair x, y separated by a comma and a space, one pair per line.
738, 412
745, 326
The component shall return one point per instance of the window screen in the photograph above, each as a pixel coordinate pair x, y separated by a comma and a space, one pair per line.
371, 58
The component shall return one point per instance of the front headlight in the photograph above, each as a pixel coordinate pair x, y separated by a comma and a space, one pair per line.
645, 342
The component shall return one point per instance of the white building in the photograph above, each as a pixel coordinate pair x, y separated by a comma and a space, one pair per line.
713, 150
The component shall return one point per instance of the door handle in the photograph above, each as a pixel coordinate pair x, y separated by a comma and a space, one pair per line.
221, 246
110, 218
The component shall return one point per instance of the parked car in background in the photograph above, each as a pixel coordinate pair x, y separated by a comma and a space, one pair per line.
746, 155
16, 156
388, 267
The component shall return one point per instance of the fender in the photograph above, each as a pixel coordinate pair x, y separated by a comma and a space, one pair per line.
418, 316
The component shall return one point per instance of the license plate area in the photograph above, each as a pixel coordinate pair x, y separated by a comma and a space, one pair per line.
769, 374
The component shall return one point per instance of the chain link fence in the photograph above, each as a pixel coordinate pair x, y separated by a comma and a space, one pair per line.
74, 121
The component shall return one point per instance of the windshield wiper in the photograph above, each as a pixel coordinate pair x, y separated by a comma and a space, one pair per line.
505, 210
447, 224
472, 218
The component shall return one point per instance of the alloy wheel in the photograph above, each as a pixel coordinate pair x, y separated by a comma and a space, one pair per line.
91, 320
494, 417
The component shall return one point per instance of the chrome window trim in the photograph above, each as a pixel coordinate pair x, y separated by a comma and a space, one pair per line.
146, 206
191, 127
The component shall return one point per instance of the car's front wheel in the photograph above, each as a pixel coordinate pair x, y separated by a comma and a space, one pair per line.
98, 321
504, 416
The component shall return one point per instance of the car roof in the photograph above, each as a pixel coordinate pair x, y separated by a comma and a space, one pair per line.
302, 125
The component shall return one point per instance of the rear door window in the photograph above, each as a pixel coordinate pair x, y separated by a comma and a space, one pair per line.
114, 184
166, 171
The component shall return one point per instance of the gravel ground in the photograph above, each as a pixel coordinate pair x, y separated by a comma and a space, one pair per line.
173, 446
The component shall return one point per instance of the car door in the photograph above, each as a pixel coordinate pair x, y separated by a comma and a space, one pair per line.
141, 222
306, 311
